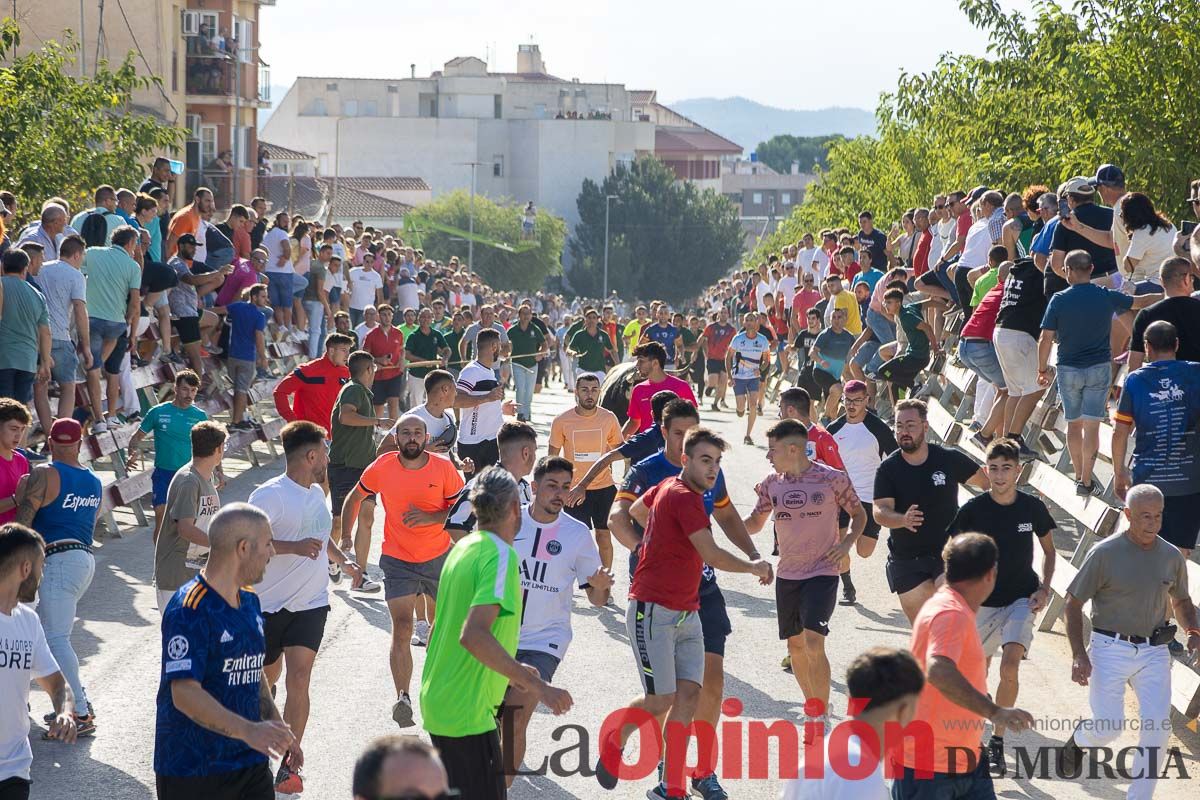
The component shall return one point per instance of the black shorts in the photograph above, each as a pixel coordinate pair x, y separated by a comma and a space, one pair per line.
1181, 520
902, 370
824, 380
158, 278
696, 370
188, 329
14, 788
714, 621
473, 764
716, 366
545, 663
594, 510
388, 388
906, 574
871, 531
342, 481
805, 605
293, 629
249, 783
484, 453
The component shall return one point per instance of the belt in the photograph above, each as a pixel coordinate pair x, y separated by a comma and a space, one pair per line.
63, 547
1121, 637
976, 339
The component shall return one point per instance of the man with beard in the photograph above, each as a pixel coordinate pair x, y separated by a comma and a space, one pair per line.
21, 560
916, 497
417, 489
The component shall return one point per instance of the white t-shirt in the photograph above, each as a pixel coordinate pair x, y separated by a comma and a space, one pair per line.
408, 295
273, 242
555, 557
363, 329
363, 284
786, 288
434, 426
761, 289
859, 450
24, 656
979, 241
1121, 238
296, 583
945, 234
832, 786
1151, 249
482, 422
336, 280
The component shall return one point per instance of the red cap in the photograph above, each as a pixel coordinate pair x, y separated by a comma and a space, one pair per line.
66, 431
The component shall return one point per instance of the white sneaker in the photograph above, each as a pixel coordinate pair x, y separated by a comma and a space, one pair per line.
100, 426
402, 711
335, 572
367, 586
420, 637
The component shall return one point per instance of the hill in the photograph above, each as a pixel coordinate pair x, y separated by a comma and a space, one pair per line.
748, 123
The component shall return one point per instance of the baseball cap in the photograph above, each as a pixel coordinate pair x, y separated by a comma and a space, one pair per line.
187, 238
972, 196
1076, 185
1108, 175
66, 431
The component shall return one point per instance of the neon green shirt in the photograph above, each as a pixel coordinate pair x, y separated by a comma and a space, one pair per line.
984, 285
459, 695
631, 333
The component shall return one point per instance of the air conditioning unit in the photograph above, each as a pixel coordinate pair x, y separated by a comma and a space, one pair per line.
193, 126
190, 23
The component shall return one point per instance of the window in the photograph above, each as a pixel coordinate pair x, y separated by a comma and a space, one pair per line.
316, 108
393, 88
208, 144
349, 108
499, 105
785, 198
280, 168
331, 87
243, 30
209, 29
247, 157
428, 104
174, 70
498, 166
370, 108
758, 198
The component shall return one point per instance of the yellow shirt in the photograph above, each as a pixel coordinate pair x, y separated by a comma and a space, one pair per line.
631, 333
847, 301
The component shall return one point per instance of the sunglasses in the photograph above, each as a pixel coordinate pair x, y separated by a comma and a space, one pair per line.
938, 208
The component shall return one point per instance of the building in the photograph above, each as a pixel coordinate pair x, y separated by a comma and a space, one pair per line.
694, 152
524, 135
763, 196
206, 54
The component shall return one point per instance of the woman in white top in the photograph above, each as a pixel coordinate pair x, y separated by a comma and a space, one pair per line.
1151, 239
903, 239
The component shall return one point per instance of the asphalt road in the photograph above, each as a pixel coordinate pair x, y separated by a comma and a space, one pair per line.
118, 642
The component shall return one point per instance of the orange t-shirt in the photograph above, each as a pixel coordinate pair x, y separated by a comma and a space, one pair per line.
186, 220
584, 440
945, 627
433, 488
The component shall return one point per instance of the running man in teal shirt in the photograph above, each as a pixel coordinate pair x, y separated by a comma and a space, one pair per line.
172, 425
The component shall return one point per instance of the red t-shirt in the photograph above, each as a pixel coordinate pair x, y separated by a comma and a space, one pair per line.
823, 447
717, 338
963, 224
668, 572
921, 256
380, 344
982, 323
854, 269
311, 389
639, 401
803, 300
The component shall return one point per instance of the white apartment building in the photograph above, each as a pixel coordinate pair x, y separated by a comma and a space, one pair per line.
530, 135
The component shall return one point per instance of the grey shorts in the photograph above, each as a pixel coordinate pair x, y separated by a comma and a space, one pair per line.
668, 646
544, 663
404, 578
1005, 625
66, 362
241, 373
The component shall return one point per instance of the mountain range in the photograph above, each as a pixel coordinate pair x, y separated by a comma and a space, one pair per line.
749, 123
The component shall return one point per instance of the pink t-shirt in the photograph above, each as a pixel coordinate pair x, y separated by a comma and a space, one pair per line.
805, 508
639, 401
803, 300
11, 471
238, 281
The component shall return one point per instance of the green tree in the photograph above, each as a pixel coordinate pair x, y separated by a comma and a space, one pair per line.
498, 222
1058, 94
667, 238
62, 135
780, 151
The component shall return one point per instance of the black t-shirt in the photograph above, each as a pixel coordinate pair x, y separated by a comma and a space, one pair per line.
876, 242
933, 488
1104, 260
1183, 313
805, 340
256, 234
1012, 527
1024, 301
149, 185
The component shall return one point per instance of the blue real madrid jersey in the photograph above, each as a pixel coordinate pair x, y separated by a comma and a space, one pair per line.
207, 640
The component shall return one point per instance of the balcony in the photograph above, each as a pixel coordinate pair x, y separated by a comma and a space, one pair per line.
221, 79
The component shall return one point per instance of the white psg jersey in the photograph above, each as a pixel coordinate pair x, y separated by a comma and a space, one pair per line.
555, 557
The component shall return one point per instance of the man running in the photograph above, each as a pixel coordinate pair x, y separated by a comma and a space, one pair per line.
803, 497
651, 358
217, 725
61, 500
916, 497
662, 620
637, 447
417, 489
744, 361
171, 423
666, 334
481, 398
715, 343
1005, 620
294, 590
557, 553
518, 452
583, 434
311, 389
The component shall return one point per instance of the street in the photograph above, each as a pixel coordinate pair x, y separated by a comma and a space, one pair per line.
118, 642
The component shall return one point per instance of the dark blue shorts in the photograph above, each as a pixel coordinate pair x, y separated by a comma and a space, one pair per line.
714, 620
160, 480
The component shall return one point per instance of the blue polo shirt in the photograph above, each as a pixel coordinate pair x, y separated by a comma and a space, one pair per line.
1081, 315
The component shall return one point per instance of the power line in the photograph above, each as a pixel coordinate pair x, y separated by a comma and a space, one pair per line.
149, 69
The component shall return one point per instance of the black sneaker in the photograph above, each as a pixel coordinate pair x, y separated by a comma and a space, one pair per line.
849, 595
995, 754
1070, 759
1085, 489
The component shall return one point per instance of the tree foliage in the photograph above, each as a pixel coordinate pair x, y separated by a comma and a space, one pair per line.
1058, 93
63, 135
780, 151
667, 239
498, 222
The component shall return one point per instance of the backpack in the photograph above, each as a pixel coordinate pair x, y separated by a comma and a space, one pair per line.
95, 228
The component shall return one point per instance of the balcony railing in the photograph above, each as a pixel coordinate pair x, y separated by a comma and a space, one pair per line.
211, 75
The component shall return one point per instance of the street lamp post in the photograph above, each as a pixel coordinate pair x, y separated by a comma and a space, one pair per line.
608, 198
471, 215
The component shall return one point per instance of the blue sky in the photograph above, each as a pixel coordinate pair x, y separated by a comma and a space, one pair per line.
787, 53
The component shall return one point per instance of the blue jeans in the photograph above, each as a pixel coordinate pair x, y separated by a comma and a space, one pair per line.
524, 379
1084, 391
17, 384
974, 785
279, 290
65, 578
316, 327
883, 328
980, 357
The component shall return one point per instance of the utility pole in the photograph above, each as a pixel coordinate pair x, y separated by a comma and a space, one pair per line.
608, 198
471, 217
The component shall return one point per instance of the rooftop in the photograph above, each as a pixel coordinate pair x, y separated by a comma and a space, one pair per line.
684, 141
277, 152
386, 184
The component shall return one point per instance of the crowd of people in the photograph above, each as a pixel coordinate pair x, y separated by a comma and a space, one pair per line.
403, 407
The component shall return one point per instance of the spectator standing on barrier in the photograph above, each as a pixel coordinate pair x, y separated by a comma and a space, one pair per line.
1161, 400
1080, 195
24, 330
61, 500
1018, 326
192, 320
1179, 308
280, 273
902, 370
247, 350
1080, 317
171, 424
1134, 580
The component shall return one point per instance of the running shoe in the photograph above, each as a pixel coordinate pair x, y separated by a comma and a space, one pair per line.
420, 636
85, 725
1070, 758
100, 426
48, 718
335, 572
288, 782
402, 711
608, 747
822, 720
786, 664
714, 406
367, 586
1027, 452
244, 425
849, 595
1085, 489
748, 441
709, 788
659, 792
981, 441
995, 754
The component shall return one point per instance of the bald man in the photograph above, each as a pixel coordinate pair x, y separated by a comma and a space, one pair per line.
399, 766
